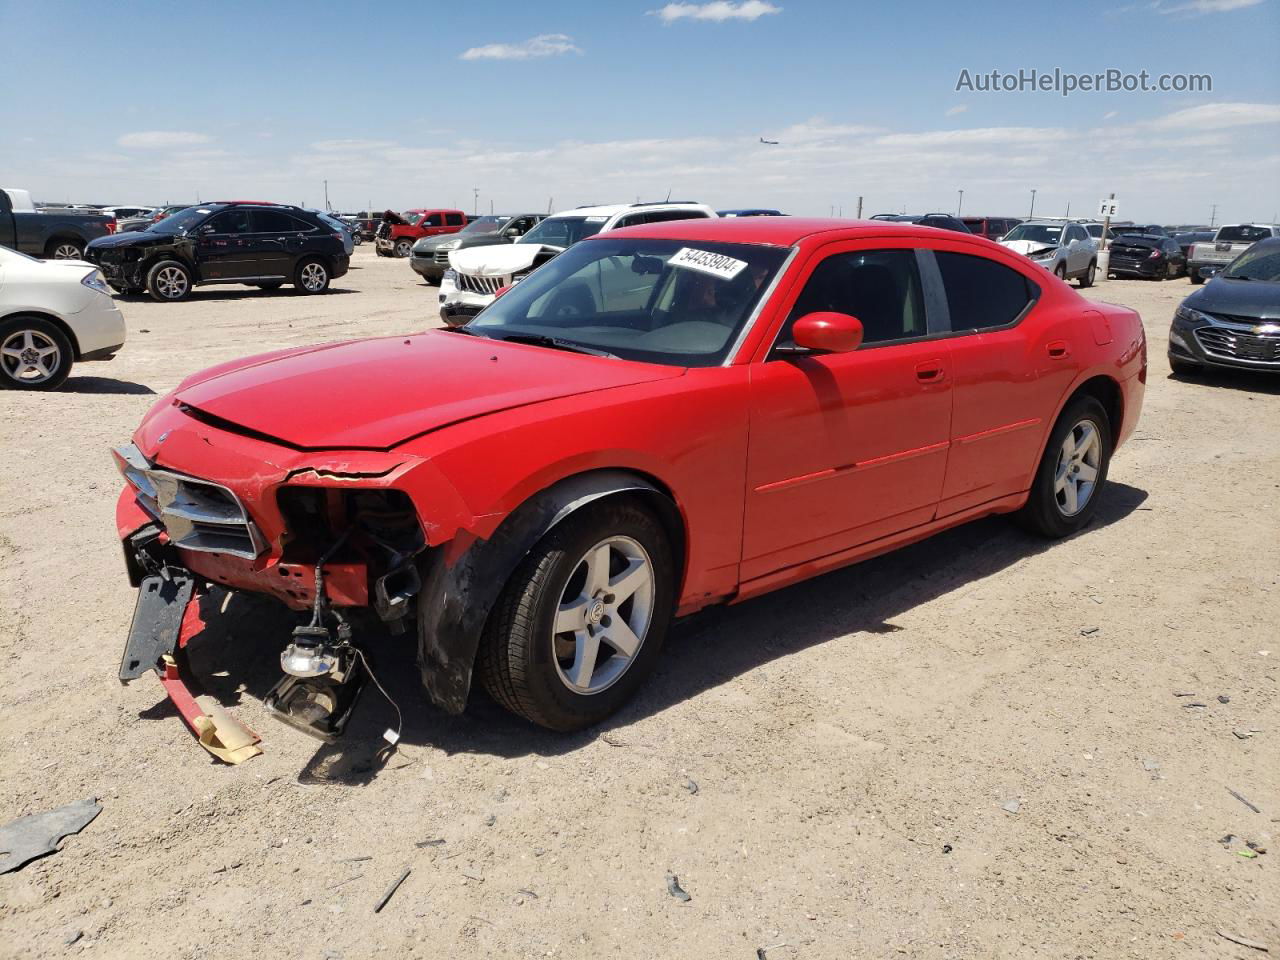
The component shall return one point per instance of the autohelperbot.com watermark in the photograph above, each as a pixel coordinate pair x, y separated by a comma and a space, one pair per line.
1065, 83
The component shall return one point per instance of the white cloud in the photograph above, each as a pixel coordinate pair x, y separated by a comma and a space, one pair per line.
718, 12
162, 139
351, 146
1219, 116
976, 136
957, 109
1111, 115
1202, 7
543, 45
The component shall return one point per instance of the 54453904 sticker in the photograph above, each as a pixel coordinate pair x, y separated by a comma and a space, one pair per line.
704, 261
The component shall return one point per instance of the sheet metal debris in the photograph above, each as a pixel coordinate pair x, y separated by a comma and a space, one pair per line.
31, 837
677, 891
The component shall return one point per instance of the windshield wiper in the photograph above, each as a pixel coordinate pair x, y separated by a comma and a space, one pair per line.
555, 343
468, 331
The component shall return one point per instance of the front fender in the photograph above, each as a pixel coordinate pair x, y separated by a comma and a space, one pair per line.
463, 579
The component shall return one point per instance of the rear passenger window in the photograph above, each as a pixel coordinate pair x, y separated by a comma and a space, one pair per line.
662, 216
273, 221
982, 294
454, 220
879, 287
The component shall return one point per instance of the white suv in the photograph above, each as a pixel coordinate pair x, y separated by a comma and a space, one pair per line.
477, 273
1063, 248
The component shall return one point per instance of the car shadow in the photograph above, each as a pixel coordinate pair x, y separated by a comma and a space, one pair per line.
237, 655
1247, 381
104, 385
205, 294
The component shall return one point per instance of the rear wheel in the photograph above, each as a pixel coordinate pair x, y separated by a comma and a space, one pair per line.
1069, 480
169, 280
1194, 274
34, 354
64, 248
312, 276
1087, 279
581, 622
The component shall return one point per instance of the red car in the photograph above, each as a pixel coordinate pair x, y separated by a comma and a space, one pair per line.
659, 419
398, 238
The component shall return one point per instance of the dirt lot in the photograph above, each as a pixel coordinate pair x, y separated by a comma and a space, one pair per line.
855, 741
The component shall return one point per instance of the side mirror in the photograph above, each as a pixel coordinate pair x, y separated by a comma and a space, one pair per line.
513, 232
828, 332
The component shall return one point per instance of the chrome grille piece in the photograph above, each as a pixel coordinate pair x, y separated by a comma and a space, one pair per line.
1237, 345
484, 285
441, 256
197, 514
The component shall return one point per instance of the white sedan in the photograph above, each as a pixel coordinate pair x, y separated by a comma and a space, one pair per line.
53, 313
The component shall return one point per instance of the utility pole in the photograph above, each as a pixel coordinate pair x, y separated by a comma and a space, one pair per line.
1213, 217
960, 205
1032, 212
859, 208
1068, 209
475, 197
326, 196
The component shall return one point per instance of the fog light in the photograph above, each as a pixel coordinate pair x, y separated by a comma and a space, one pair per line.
309, 654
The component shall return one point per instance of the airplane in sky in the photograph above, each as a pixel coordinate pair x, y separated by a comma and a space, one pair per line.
773, 142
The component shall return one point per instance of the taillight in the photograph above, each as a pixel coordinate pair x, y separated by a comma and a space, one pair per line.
111, 227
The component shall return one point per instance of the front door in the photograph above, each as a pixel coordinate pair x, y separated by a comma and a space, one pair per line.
222, 245
850, 447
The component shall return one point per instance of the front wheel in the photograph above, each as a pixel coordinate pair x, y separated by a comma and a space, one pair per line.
169, 281
312, 276
1195, 277
581, 622
403, 248
1061, 272
1087, 279
34, 354
1064, 494
1183, 368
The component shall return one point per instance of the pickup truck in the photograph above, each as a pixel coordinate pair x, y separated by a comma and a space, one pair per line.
396, 239
56, 236
1206, 259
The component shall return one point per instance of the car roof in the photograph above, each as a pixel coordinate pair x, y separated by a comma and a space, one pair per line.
613, 209
777, 231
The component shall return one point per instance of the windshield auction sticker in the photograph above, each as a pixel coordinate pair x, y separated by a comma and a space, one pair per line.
704, 261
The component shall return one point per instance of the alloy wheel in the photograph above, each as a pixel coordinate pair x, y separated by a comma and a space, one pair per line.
66, 251
314, 277
1075, 475
172, 283
604, 614
29, 356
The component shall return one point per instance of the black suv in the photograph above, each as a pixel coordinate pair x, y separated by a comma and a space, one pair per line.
258, 244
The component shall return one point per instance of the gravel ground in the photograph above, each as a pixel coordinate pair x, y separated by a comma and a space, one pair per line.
971, 748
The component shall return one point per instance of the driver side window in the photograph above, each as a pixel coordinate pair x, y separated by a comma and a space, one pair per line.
879, 287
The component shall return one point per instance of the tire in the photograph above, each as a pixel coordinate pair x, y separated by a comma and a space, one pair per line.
1048, 510
534, 672
311, 276
1060, 271
64, 248
1087, 279
268, 284
403, 248
1195, 277
169, 281
34, 354
1184, 368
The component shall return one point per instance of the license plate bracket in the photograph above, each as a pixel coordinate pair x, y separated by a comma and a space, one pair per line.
157, 621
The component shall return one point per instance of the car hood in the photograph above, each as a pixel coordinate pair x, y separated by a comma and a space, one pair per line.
135, 238
1240, 298
498, 260
374, 394
1028, 247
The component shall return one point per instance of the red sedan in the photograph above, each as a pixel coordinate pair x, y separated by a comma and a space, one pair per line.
659, 419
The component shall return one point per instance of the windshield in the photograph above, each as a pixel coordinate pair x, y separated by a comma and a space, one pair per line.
1244, 234
657, 301
411, 218
483, 225
182, 221
564, 232
1035, 232
1256, 263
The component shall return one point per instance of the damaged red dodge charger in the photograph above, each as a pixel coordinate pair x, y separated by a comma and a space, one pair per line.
659, 419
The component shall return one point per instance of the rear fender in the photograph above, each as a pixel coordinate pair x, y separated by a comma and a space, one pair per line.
463, 579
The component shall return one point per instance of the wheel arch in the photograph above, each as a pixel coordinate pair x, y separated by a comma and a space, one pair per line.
461, 580
56, 320
61, 234
1106, 391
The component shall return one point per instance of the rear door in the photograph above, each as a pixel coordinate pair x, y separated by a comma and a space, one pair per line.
278, 238
1008, 372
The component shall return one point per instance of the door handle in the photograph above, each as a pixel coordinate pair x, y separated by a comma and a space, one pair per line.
930, 371
1058, 349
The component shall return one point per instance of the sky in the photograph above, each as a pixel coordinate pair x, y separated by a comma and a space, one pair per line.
517, 106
